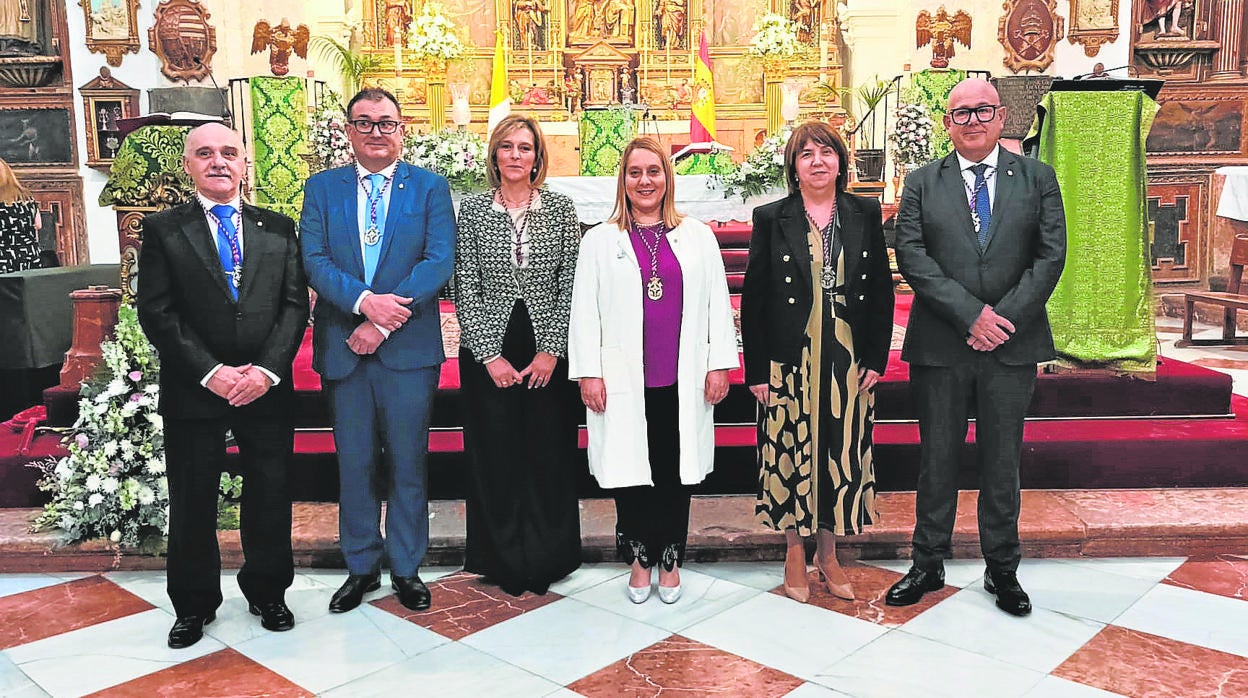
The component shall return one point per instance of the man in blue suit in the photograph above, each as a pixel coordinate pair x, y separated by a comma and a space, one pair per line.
378, 245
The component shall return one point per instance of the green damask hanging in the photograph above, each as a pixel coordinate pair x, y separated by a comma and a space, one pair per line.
931, 88
279, 108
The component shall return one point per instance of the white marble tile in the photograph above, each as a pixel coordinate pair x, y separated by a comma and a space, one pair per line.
763, 576
14, 683
1149, 569
587, 576
971, 621
149, 586
565, 640
958, 573
901, 664
450, 670
105, 654
1195, 617
562, 692
795, 638
814, 690
1054, 687
333, 650
1085, 591
21, 583
235, 624
701, 597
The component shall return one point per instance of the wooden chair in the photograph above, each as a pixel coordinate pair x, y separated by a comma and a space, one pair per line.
1231, 301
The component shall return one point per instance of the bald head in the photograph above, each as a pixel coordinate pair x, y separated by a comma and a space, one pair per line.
974, 118
215, 160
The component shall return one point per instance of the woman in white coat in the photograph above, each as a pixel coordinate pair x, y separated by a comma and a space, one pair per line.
651, 341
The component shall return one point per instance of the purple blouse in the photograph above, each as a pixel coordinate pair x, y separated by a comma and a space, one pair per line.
661, 318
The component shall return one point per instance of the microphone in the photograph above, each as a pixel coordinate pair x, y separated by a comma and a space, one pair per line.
226, 114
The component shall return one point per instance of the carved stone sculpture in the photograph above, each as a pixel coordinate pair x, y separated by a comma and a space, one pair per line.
281, 41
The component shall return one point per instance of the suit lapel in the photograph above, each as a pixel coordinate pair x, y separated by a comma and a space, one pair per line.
351, 211
201, 239
952, 188
1006, 185
794, 227
851, 234
257, 249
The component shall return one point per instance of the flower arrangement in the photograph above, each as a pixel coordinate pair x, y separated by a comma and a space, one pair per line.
329, 144
775, 37
762, 170
912, 135
432, 36
112, 484
460, 156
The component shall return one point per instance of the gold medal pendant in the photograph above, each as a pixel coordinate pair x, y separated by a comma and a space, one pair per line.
654, 289
372, 236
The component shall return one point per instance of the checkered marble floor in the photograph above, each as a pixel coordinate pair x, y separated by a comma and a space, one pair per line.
1170, 627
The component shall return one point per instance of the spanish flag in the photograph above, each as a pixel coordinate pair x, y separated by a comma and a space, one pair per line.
500, 97
702, 116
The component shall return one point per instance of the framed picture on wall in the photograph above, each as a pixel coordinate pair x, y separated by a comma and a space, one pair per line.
105, 101
36, 137
112, 28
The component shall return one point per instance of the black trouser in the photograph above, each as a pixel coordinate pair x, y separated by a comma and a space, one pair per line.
195, 456
945, 397
652, 522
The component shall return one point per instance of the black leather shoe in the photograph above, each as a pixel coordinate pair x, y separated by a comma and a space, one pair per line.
413, 593
352, 591
274, 615
188, 630
1010, 595
917, 582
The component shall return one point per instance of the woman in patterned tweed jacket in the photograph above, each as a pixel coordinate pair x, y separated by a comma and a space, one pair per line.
514, 261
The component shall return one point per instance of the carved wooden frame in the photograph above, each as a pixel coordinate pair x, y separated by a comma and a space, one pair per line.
1092, 38
97, 93
173, 18
1015, 61
113, 49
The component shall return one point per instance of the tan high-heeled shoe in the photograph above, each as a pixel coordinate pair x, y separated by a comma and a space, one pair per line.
842, 590
795, 559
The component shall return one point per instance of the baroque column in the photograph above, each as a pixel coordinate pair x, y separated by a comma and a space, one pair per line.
1229, 23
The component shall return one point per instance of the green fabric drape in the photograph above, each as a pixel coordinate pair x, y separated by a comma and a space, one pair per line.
1102, 310
931, 88
604, 133
148, 169
279, 108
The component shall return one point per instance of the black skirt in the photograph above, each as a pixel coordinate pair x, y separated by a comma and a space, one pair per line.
523, 527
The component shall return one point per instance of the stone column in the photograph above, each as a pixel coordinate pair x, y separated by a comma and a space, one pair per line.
1229, 23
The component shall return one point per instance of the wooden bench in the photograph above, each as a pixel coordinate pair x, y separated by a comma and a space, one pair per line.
1232, 301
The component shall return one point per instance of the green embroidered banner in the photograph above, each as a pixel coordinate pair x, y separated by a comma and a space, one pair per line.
931, 88
148, 169
1102, 310
604, 133
279, 108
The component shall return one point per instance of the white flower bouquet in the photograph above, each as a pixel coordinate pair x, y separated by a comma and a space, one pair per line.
912, 135
432, 37
775, 37
112, 484
460, 156
328, 137
760, 172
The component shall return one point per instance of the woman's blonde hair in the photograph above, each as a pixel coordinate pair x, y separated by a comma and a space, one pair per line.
504, 128
623, 213
11, 189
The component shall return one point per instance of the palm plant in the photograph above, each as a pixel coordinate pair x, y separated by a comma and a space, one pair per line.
351, 66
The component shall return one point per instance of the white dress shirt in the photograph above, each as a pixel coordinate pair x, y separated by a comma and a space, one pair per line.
362, 190
990, 175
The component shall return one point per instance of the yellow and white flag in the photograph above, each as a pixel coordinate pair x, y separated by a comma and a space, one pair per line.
500, 96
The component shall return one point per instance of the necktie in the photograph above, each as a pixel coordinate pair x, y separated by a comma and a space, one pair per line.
981, 204
374, 220
228, 249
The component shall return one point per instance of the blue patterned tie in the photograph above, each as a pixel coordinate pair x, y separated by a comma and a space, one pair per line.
376, 204
983, 206
228, 249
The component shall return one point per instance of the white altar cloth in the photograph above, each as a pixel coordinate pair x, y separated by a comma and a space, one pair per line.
1234, 201
695, 196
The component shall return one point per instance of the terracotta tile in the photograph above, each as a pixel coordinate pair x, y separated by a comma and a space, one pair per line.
681, 667
41, 613
1147, 666
870, 586
462, 605
1224, 575
224, 674
1221, 363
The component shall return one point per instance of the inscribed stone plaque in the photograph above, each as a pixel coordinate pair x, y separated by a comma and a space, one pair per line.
1020, 94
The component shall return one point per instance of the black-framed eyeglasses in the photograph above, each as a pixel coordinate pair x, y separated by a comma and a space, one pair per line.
386, 127
983, 114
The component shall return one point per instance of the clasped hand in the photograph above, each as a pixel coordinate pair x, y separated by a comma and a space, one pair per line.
239, 385
386, 310
538, 371
989, 330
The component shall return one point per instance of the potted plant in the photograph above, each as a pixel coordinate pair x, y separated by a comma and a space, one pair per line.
869, 161
350, 65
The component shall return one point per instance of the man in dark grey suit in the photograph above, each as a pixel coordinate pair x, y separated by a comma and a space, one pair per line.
981, 237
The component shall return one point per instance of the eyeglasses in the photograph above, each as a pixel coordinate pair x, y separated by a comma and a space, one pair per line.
983, 114
386, 127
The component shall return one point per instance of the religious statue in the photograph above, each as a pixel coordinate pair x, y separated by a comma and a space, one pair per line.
19, 28
682, 94
536, 96
628, 93
807, 15
397, 18
941, 31
573, 86
585, 22
671, 16
619, 18
1164, 14
281, 41
530, 24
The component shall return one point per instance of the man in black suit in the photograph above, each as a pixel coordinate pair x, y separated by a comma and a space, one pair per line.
981, 237
223, 298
